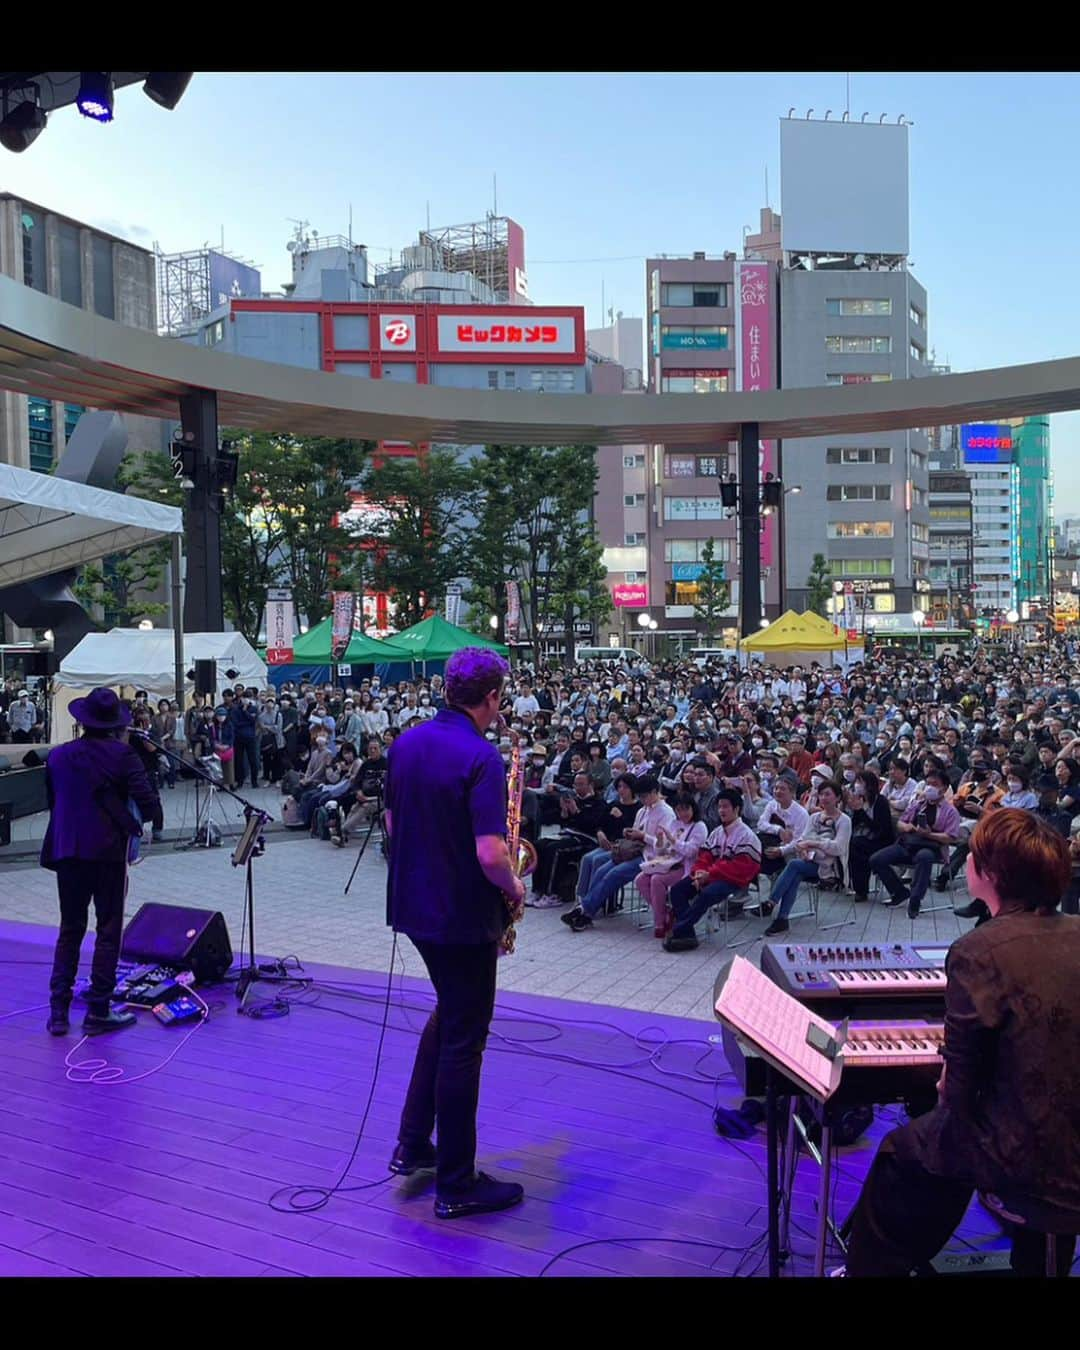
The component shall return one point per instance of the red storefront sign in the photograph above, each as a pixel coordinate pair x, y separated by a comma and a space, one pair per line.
630, 595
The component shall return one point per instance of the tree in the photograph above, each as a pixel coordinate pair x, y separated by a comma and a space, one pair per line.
531, 501
713, 592
421, 514
121, 582
579, 590
818, 585
280, 525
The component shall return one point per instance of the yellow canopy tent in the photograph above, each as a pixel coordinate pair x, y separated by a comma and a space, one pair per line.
798, 635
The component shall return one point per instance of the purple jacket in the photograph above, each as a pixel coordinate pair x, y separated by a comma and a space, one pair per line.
89, 783
946, 821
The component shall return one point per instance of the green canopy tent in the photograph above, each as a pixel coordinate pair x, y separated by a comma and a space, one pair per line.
434, 639
313, 648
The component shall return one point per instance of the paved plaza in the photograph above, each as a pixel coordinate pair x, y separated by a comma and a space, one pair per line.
301, 910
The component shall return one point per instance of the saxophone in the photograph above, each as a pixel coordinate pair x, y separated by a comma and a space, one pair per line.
523, 857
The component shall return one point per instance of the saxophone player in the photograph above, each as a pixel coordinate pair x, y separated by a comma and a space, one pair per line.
449, 885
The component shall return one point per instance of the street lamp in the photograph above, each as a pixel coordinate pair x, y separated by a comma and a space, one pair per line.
918, 618
145, 625
1012, 616
493, 622
764, 623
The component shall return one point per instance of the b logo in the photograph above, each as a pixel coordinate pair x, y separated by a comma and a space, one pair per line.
398, 332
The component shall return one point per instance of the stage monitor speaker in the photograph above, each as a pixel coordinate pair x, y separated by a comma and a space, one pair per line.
173, 935
206, 676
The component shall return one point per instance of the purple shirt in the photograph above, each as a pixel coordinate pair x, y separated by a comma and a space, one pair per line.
445, 787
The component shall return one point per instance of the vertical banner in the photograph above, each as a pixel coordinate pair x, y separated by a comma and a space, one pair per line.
756, 369
453, 605
513, 611
343, 604
280, 627
849, 605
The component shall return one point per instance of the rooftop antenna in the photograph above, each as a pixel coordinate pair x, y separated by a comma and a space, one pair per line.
494, 194
350, 224
427, 207
767, 202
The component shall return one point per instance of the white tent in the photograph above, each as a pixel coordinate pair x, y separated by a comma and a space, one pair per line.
127, 659
48, 524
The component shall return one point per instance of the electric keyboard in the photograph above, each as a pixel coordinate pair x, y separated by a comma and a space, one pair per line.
897, 1061
851, 980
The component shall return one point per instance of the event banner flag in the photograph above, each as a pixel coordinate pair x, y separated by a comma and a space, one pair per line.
280, 626
341, 629
453, 605
513, 611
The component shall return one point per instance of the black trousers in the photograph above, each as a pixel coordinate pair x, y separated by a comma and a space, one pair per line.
905, 1215
445, 1084
862, 846
246, 753
79, 883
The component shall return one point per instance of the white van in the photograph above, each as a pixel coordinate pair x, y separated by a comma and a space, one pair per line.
626, 656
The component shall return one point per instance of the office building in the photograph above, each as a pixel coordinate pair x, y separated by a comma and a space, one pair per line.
1035, 523
851, 312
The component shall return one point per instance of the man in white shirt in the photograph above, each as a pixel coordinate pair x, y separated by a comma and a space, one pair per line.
797, 686
782, 824
901, 789
609, 877
526, 702
781, 687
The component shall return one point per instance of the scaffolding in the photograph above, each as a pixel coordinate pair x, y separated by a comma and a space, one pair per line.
185, 294
480, 248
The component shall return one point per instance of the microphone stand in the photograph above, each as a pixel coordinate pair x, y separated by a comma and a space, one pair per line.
252, 845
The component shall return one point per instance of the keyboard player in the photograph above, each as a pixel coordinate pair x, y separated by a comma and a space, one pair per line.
1008, 1115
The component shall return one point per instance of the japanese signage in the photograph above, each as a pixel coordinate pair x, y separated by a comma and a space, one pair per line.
693, 508
521, 333
679, 467
987, 443
453, 605
755, 343
344, 608
397, 333
630, 595
280, 627
231, 280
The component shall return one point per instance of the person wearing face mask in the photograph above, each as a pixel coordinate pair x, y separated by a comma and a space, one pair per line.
448, 881
425, 711
377, 719
927, 830
1017, 792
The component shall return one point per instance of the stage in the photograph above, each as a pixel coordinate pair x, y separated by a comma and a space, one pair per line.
604, 1115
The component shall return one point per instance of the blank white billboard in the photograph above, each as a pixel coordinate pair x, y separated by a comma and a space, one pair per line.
843, 187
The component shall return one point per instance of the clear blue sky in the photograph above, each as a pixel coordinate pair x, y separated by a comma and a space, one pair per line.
610, 167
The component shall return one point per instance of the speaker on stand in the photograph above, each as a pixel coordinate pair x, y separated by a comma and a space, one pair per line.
206, 676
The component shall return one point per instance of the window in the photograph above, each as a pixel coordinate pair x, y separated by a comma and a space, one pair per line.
857, 309
493, 379
690, 550
916, 352
72, 413
697, 338
215, 333
857, 379
917, 318
552, 380
631, 576
918, 496
858, 492
859, 529
634, 499
70, 264
694, 382
859, 346
103, 277
699, 295
684, 593
33, 250
861, 567
920, 534
41, 435
631, 539
858, 454
509, 379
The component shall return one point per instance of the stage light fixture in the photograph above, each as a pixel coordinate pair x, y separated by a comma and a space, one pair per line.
96, 95
22, 126
167, 87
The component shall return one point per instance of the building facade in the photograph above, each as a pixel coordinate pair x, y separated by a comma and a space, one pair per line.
82, 266
951, 548
865, 499
1035, 523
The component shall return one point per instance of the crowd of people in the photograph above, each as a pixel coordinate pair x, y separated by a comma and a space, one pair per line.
692, 782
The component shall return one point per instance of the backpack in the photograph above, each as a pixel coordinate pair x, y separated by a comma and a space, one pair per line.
290, 814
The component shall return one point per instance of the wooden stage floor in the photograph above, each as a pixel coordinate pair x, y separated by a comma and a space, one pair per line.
603, 1114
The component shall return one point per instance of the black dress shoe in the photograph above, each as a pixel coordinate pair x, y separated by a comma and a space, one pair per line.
406, 1161
974, 909
680, 944
59, 1023
484, 1196
913, 909
94, 1023
571, 914
895, 901
777, 927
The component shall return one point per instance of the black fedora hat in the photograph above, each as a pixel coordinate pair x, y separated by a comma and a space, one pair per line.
100, 709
